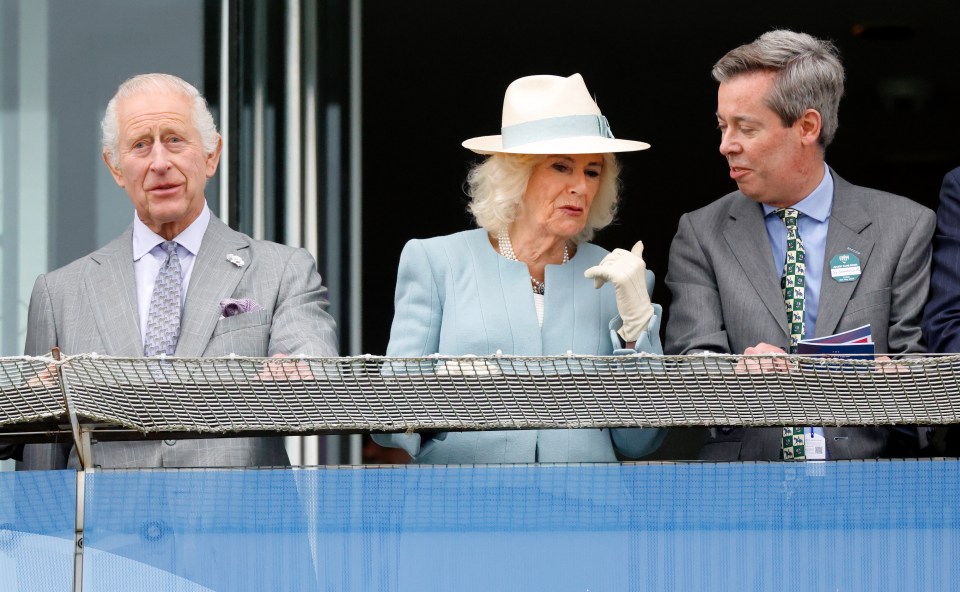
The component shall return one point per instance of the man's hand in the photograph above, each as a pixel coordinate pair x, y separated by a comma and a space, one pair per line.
627, 272
285, 369
888, 366
758, 365
45, 378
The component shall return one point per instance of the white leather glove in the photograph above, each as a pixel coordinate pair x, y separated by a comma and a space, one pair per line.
627, 272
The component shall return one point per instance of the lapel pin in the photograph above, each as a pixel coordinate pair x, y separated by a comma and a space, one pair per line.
236, 260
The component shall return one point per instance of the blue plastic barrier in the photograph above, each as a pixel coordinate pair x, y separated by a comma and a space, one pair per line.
813, 526
37, 519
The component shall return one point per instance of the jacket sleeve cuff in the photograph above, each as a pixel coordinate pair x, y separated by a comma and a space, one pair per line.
409, 442
648, 341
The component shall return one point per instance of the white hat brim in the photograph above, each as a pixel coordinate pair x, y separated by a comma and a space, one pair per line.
574, 145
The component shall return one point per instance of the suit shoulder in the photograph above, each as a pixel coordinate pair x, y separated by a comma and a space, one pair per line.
885, 203
260, 254
897, 213
456, 240
74, 268
265, 248
717, 210
720, 206
73, 271
896, 201
458, 243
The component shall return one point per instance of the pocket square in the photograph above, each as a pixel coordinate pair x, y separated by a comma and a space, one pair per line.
230, 307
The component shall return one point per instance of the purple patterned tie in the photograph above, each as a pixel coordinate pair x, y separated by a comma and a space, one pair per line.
163, 321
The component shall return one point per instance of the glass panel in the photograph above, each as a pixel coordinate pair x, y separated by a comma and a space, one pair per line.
197, 530
37, 516
696, 526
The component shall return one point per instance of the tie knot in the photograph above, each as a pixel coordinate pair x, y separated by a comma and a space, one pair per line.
788, 215
170, 247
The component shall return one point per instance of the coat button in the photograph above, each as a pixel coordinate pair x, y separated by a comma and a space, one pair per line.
169, 442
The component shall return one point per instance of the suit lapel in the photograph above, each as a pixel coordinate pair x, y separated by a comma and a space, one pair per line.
848, 220
525, 333
560, 301
113, 297
213, 278
747, 236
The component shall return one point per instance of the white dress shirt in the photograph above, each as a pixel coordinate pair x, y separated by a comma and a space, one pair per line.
148, 256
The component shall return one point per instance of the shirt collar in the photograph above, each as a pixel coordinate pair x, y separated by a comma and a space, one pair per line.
144, 239
818, 204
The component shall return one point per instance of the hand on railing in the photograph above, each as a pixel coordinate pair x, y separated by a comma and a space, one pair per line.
770, 361
49, 377
284, 368
471, 367
763, 364
888, 366
46, 378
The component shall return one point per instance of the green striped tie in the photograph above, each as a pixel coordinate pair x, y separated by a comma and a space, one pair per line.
793, 284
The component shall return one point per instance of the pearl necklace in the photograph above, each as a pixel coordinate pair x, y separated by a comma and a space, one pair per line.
506, 249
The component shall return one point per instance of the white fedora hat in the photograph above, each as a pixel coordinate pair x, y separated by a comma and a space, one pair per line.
551, 115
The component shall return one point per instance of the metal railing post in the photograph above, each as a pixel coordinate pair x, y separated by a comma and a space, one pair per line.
81, 440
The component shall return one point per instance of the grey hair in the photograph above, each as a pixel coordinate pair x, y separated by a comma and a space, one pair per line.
497, 184
159, 83
808, 75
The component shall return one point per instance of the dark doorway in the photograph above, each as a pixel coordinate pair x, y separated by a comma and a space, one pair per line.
435, 71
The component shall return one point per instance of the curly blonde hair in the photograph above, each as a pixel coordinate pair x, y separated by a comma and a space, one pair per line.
497, 184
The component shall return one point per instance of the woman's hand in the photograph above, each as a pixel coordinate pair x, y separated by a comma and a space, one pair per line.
627, 272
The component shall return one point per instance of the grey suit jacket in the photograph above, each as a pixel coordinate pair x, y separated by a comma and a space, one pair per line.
90, 305
726, 296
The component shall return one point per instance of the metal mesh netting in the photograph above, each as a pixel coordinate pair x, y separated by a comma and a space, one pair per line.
30, 390
370, 393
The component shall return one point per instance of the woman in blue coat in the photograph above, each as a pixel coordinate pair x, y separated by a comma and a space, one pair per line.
528, 282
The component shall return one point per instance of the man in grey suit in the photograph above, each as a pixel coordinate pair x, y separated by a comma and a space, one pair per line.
735, 263
231, 294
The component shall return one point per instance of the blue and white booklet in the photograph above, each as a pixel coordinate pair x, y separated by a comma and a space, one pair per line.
857, 343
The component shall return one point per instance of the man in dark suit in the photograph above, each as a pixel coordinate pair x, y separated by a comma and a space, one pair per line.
941, 319
797, 252
178, 281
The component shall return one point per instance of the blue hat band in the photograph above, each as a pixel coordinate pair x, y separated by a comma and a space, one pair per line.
553, 128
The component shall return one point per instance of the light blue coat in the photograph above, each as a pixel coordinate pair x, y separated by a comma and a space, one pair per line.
456, 295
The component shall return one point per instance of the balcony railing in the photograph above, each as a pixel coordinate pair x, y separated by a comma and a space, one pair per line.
232, 395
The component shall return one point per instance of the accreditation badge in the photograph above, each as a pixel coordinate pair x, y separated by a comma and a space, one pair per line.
845, 267
814, 444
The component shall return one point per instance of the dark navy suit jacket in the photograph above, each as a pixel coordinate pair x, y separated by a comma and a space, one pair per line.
941, 319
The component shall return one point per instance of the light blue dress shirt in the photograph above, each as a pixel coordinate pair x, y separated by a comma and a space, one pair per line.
145, 269
812, 226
